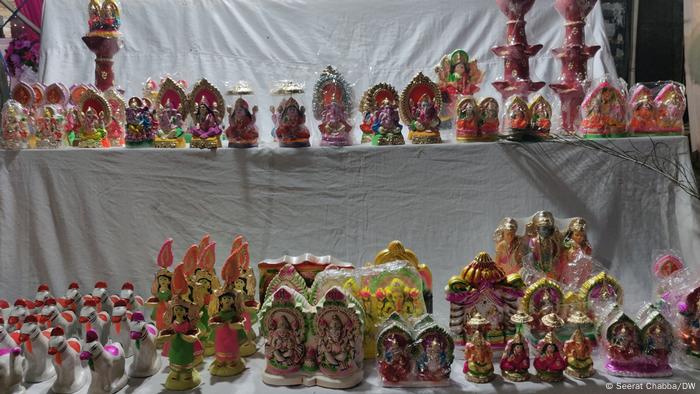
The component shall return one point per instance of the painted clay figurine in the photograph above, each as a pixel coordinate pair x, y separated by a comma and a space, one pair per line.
91, 319
161, 286
515, 361
171, 112
578, 349
101, 293
420, 105
49, 128
574, 267
289, 118
43, 293
18, 313
671, 104
242, 131
246, 284
549, 363
467, 125
147, 360
544, 243
393, 357
478, 367
457, 76
35, 347
541, 116
332, 107
94, 113
489, 122
603, 112
141, 124
207, 105
12, 365
73, 300
52, 317
119, 328
71, 373
381, 125
107, 364
204, 282
517, 119
15, 130
642, 111
133, 301
181, 332
117, 121
689, 332
509, 246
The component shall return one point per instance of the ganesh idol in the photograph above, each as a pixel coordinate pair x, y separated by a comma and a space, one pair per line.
332, 106
386, 126
420, 106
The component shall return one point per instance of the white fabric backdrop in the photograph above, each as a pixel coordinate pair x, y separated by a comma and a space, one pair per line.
263, 41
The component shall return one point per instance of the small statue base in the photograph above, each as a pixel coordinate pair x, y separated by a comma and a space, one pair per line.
169, 143
616, 134
425, 137
479, 378
225, 369
580, 373
550, 377
295, 144
247, 349
140, 144
639, 369
242, 145
182, 381
207, 143
516, 376
317, 380
90, 143
388, 139
476, 138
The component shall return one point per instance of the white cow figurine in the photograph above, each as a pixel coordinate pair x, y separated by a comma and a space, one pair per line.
100, 292
12, 366
107, 365
42, 294
35, 346
147, 360
71, 373
7, 340
119, 329
73, 300
133, 302
52, 317
91, 319
18, 313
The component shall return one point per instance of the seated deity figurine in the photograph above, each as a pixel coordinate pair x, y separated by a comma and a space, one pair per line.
171, 126
49, 128
578, 349
477, 351
549, 362
515, 360
291, 131
541, 120
420, 106
642, 111
170, 112
242, 131
332, 105
467, 127
93, 130
104, 20
207, 104
140, 124
386, 126
15, 130
457, 76
603, 112
488, 117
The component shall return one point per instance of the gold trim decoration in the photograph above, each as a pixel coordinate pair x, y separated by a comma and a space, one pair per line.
600, 279
521, 317
578, 317
477, 320
369, 102
404, 101
542, 283
482, 269
169, 84
553, 320
204, 85
92, 94
540, 99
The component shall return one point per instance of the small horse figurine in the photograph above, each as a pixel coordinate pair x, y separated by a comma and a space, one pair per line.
119, 329
90, 318
71, 373
12, 366
107, 364
147, 360
35, 346
52, 317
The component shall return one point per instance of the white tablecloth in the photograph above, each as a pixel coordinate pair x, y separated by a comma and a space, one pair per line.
263, 41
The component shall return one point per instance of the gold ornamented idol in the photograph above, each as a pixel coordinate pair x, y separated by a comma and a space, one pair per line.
420, 106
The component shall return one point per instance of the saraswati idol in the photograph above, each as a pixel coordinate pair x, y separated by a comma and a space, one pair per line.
421, 103
289, 117
242, 131
381, 124
206, 104
171, 112
332, 105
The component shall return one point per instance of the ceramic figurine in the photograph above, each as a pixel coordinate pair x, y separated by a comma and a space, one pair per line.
366, 108
246, 284
11, 370
671, 104
381, 120
92, 319
15, 130
35, 347
517, 120
489, 122
599, 293
117, 121
515, 361
160, 288
57, 94
147, 360
107, 364
542, 298
642, 111
141, 124
94, 113
49, 128
478, 367
181, 332
119, 328
332, 105
242, 131
52, 317
43, 293
133, 302
393, 355
204, 282
73, 300
457, 76
549, 363
483, 287
7, 340
578, 349
226, 319
509, 246
467, 125
73, 126
171, 113
19, 311
106, 302
574, 267
435, 349
545, 243
71, 373
603, 112
104, 20
289, 117
420, 106
541, 116
689, 333
207, 108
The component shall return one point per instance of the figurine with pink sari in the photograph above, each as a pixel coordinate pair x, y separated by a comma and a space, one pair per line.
332, 105
15, 130
515, 360
171, 112
242, 131
206, 106
603, 112
576, 264
161, 287
289, 117
457, 76
549, 362
642, 111
671, 104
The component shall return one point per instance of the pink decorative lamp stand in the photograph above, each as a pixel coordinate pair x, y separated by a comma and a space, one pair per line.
574, 55
103, 39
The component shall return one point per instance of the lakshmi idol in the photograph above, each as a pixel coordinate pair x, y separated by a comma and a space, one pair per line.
242, 131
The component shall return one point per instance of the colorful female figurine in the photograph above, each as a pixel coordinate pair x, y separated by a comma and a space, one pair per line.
225, 310
516, 122
603, 112
457, 76
289, 118
578, 349
549, 363
181, 318
467, 127
141, 125
509, 246
160, 288
421, 103
394, 360
49, 128
171, 113
574, 269
478, 367
242, 131
116, 122
689, 334
515, 361
642, 111
488, 117
332, 104
541, 121
207, 104
15, 130
670, 104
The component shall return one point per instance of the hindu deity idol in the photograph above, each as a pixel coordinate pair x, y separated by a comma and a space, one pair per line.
289, 117
242, 131
545, 243
603, 112
117, 120
578, 349
286, 348
15, 130
170, 112
181, 332
489, 122
689, 309
434, 363
332, 104
393, 357
457, 76
509, 246
49, 128
140, 124
515, 360
94, 22
642, 111
575, 268
541, 119
161, 292
207, 104
670, 103
203, 282
386, 126
516, 122
110, 19
93, 131
478, 367
420, 106
467, 126
397, 297
549, 362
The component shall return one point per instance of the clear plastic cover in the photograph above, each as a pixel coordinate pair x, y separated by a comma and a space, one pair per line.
242, 132
289, 117
656, 108
604, 109
50, 126
334, 107
15, 130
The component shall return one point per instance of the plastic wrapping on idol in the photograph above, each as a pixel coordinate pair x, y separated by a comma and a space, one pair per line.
333, 107
208, 109
604, 109
656, 108
104, 18
420, 106
380, 116
414, 352
15, 130
289, 117
171, 112
242, 131
117, 122
141, 123
458, 75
